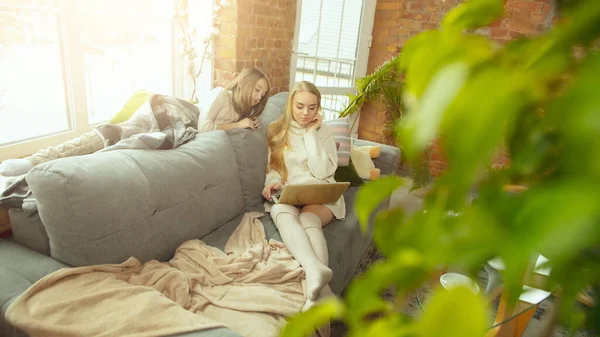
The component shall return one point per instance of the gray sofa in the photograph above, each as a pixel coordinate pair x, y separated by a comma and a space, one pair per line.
106, 207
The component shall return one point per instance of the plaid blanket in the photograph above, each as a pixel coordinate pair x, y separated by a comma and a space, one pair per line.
163, 122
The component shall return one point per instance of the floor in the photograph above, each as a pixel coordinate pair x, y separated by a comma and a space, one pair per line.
411, 204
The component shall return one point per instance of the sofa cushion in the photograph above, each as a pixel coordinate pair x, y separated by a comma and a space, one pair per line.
108, 206
19, 269
274, 108
251, 153
29, 231
341, 133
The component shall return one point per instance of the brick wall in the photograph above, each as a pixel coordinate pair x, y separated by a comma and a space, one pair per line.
256, 33
398, 20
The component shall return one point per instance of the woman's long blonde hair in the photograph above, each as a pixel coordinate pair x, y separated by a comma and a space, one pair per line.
242, 87
277, 133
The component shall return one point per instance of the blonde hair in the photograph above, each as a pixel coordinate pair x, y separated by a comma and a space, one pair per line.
277, 133
242, 87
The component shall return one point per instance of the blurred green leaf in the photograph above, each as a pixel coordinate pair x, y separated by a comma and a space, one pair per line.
473, 14
372, 194
304, 324
454, 313
422, 124
390, 326
363, 297
576, 116
432, 51
578, 26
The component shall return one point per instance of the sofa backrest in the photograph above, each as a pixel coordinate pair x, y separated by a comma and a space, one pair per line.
108, 206
251, 152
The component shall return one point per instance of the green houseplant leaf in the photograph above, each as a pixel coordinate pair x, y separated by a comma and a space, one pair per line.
474, 14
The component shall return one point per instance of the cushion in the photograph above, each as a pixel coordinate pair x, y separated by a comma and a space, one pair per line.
251, 152
349, 174
135, 102
108, 206
274, 108
341, 131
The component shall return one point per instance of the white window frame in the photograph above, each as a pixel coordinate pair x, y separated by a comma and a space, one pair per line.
365, 39
75, 88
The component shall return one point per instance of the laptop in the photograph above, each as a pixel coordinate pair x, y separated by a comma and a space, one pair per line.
310, 194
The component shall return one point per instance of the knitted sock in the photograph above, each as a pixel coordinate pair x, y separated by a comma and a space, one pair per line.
324, 294
87, 143
314, 230
297, 242
15, 167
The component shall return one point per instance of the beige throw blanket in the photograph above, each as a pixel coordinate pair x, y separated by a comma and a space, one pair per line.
250, 288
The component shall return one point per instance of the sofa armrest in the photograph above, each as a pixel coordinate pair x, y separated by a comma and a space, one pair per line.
389, 158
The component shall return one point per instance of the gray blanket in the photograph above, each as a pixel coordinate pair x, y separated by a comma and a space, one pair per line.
163, 122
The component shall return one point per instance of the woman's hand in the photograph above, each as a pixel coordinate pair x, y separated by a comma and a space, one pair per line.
316, 123
268, 190
248, 122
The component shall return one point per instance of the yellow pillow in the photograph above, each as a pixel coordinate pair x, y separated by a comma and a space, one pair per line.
135, 102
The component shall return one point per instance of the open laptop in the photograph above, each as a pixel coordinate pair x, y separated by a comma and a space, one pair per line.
310, 194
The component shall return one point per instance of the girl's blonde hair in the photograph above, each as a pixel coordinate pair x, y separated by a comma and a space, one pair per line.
242, 87
277, 133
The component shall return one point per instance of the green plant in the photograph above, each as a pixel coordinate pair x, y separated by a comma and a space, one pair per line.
538, 97
385, 85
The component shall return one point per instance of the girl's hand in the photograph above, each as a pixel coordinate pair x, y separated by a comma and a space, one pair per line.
248, 123
316, 123
268, 190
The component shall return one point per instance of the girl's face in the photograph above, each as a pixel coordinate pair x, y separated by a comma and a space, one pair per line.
305, 107
259, 91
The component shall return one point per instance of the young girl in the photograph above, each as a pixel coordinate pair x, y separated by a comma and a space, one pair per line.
236, 106
303, 150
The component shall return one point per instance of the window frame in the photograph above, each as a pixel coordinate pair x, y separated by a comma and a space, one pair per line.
74, 82
365, 39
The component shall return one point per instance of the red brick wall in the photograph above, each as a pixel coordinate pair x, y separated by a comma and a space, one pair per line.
256, 33
398, 20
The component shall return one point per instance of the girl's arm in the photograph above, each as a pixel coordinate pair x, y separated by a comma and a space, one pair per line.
228, 126
218, 99
322, 154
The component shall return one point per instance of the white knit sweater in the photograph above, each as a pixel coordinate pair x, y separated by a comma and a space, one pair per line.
218, 109
311, 158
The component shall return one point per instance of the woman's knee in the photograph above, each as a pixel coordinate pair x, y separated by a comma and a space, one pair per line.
278, 209
321, 211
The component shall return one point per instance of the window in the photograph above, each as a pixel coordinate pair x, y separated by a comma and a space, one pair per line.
69, 65
332, 41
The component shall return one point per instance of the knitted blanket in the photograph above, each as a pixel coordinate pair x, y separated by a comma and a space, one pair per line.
251, 288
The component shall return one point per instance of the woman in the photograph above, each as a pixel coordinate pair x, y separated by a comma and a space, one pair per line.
238, 105
303, 150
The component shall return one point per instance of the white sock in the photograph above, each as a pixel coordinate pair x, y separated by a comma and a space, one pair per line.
297, 242
15, 167
314, 230
324, 294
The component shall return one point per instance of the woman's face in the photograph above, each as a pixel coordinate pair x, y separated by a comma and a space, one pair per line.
259, 91
305, 106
